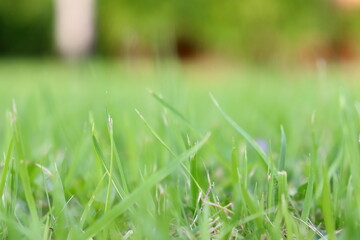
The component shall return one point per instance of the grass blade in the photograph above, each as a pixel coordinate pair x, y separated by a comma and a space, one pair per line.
282, 150
121, 207
172, 109
22, 167
252, 206
313, 160
168, 148
194, 180
283, 187
111, 133
243, 133
327, 208
89, 203
102, 162
204, 223
289, 223
6, 167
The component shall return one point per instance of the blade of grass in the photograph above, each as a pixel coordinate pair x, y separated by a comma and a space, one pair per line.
46, 233
282, 150
168, 148
235, 165
155, 134
6, 168
283, 187
22, 167
115, 154
111, 133
227, 228
193, 181
101, 162
288, 221
121, 207
309, 190
252, 206
327, 208
244, 166
172, 109
181, 116
243, 133
90, 202
271, 190
235, 168
204, 223
121, 171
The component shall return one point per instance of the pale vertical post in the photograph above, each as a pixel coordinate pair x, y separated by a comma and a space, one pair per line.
74, 27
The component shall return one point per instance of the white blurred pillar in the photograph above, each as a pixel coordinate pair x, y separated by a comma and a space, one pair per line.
74, 27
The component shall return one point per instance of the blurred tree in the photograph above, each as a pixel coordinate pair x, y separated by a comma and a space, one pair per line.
25, 27
251, 29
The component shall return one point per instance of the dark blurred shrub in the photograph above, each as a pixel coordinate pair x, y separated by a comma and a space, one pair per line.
25, 27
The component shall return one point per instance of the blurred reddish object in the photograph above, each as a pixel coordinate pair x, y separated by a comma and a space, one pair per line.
348, 4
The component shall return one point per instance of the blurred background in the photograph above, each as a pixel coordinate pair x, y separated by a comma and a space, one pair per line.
275, 32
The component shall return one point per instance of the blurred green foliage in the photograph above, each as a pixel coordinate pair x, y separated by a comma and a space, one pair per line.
25, 27
256, 29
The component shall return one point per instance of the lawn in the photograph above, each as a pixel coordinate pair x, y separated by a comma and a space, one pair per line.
106, 150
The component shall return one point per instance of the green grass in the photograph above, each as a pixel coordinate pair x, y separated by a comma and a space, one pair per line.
91, 152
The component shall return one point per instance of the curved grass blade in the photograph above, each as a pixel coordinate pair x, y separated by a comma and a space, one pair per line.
115, 154
121, 207
101, 157
111, 134
185, 120
90, 202
155, 134
243, 133
252, 206
172, 109
168, 148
